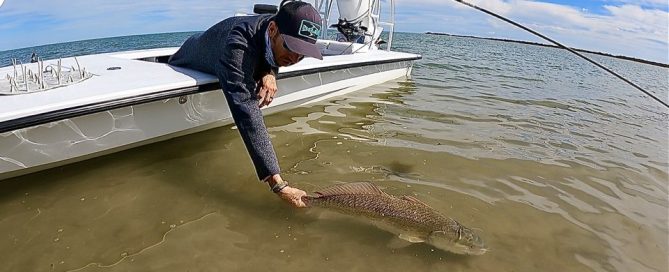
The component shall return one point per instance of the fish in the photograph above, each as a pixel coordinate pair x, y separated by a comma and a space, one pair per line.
410, 218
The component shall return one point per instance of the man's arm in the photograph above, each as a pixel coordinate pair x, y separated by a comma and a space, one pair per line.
236, 78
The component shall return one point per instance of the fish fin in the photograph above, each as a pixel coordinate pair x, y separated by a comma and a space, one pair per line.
328, 215
410, 238
397, 243
413, 199
354, 188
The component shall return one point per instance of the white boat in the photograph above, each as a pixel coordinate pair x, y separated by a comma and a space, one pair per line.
77, 108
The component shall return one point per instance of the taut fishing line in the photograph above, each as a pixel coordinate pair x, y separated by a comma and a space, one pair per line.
563, 47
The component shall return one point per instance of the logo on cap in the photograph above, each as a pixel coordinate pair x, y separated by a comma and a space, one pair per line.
310, 30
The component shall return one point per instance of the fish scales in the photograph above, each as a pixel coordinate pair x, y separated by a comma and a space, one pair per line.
399, 212
412, 219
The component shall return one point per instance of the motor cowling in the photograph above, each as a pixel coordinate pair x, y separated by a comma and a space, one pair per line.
355, 23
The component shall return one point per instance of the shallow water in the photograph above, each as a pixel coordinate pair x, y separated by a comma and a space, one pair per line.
557, 165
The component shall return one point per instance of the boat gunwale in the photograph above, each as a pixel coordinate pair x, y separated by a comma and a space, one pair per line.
76, 111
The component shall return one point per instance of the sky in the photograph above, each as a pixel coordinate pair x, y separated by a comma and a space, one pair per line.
636, 28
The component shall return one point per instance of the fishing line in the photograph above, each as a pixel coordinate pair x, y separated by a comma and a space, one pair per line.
561, 46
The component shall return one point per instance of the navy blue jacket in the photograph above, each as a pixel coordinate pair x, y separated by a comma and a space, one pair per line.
234, 51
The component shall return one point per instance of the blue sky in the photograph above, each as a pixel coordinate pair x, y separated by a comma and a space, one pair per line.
636, 28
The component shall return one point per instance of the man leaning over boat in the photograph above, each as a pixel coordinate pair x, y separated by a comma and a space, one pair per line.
245, 53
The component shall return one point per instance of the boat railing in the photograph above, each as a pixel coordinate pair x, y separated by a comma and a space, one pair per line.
38, 76
390, 23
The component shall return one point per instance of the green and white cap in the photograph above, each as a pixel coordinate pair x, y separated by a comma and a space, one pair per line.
300, 26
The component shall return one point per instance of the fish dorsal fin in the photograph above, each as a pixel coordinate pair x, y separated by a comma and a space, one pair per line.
414, 200
354, 188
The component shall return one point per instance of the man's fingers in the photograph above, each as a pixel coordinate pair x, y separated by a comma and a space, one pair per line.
300, 203
265, 97
293, 196
265, 101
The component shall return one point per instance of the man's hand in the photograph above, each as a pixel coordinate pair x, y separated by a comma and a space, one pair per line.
266, 90
289, 194
293, 196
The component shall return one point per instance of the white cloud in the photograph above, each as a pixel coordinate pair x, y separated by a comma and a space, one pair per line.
627, 29
35, 22
661, 4
635, 28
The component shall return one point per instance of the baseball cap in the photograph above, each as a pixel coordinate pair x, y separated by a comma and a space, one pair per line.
300, 25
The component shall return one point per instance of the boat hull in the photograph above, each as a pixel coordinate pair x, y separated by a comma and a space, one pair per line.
116, 128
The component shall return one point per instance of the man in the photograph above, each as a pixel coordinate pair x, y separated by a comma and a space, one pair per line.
245, 53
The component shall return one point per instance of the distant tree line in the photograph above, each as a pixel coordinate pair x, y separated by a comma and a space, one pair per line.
548, 45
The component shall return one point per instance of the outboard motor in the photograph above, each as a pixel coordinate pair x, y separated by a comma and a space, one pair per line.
351, 31
355, 21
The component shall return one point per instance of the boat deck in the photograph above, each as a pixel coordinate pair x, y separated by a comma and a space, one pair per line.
135, 75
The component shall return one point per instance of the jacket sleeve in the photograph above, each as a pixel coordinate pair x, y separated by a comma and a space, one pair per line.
235, 73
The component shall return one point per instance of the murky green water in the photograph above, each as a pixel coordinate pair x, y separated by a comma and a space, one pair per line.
559, 166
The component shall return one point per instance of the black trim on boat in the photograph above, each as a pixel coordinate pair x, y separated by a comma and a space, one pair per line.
341, 66
53, 116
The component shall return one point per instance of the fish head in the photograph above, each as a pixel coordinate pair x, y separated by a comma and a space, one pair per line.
461, 241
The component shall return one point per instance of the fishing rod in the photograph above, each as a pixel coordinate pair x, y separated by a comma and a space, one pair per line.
561, 46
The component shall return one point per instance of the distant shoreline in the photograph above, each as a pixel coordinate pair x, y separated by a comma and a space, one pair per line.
548, 45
